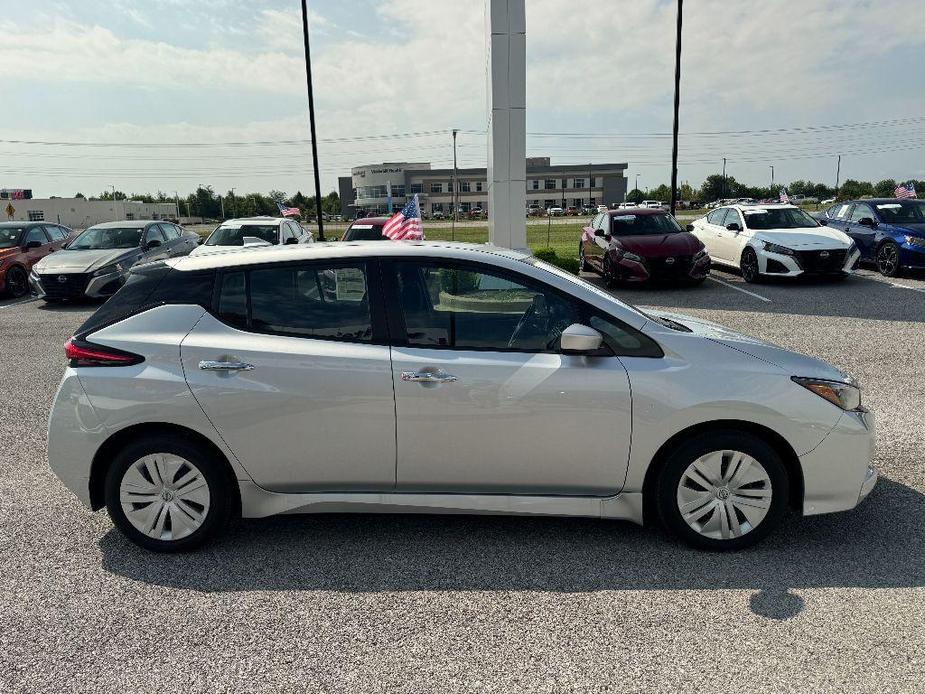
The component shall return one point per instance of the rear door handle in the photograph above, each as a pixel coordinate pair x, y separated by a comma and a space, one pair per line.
427, 377
207, 365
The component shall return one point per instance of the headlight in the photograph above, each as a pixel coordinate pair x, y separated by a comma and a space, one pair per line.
631, 256
775, 248
916, 241
108, 269
846, 395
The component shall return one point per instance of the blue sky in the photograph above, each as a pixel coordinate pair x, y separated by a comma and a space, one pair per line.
214, 71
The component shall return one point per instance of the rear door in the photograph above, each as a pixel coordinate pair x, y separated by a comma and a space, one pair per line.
710, 232
292, 367
485, 402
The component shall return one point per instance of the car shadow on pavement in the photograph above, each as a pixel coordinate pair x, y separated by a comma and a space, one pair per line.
878, 545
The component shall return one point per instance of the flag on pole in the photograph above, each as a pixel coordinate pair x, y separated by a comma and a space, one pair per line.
405, 225
784, 198
905, 190
288, 211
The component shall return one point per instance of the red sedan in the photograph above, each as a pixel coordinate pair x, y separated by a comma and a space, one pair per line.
22, 245
637, 245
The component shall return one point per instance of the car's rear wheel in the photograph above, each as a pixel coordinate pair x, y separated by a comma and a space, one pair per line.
16, 282
723, 491
888, 259
749, 265
168, 494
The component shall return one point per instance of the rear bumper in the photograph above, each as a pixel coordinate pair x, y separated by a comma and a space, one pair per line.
837, 474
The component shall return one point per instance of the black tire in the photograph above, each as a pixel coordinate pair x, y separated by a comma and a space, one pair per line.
887, 259
222, 501
749, 266
607, 272
17, 282
670, 478
583, 265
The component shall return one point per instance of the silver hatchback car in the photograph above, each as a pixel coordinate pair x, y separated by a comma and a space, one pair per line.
437, 378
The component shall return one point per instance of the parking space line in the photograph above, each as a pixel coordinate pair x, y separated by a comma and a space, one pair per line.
21, 301
739, 289
890, 282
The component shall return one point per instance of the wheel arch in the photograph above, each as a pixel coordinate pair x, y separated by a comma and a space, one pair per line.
778, 442
104, 455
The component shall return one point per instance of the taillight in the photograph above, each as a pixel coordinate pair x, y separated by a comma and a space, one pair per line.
81, 353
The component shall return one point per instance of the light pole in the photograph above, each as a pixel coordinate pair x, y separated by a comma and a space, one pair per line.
176, 196
772, 174
234, 204
837, 175
677, 101
453, 193
311, 119
724, 179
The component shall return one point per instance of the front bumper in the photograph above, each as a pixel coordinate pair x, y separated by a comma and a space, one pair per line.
75, 285
674, 268
807, 262
912, 256
838, 474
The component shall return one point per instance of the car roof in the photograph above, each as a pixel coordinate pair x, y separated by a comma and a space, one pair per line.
244, 221
20, 225
125, 224
370, 220
878, 201
641, 211
762, 206
342, 250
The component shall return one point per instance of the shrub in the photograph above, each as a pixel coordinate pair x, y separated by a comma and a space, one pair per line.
549, 255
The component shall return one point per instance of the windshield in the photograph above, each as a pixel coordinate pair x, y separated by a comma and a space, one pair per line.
234, 236
643, 225
778, 218
98, 239
9, 236
364, 232
905, 212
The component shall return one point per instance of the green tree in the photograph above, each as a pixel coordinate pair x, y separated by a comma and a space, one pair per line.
855, 189
885, 188
714, 188
81, 196
635, 195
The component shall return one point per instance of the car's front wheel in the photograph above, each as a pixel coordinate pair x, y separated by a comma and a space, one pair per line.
888, 259
168, 494
722, 490
16, 283
749, 265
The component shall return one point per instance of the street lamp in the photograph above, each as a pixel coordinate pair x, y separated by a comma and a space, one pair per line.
677, 101
772, 174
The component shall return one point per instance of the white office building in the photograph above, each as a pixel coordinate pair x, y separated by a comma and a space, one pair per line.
80, 213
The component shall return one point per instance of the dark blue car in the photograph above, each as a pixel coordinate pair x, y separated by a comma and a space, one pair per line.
888, 232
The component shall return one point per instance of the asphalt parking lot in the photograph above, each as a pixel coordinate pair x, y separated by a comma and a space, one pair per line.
441, 604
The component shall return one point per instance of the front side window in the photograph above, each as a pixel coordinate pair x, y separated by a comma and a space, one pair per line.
106, 238
35, 234
458, 307
153, 233
315, 301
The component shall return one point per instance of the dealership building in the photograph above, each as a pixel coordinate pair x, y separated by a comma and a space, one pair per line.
369, 189
80, 213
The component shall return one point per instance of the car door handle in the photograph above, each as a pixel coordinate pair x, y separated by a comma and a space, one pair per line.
207, 365
427, 377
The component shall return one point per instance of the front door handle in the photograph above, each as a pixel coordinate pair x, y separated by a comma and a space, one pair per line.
428, 377
207, 365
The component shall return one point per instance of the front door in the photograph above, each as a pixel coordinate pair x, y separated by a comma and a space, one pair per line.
864, 235
295, 378
485, 402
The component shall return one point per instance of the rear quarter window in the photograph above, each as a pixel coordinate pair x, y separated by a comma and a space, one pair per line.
151, 285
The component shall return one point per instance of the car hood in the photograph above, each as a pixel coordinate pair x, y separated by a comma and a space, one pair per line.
917, 229
661, 245
799, 239
794, 363
85, 261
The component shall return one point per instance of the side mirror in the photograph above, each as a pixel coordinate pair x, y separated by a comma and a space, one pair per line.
734, 226
291, 240
32, 244
153, 243
600, 233
580, 339
689, 227
867, 222
201, 241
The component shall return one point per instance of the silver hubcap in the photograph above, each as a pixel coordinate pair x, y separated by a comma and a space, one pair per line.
724, 494
164, 496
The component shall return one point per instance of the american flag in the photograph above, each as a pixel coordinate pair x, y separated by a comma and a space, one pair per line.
904, 190
784, 198
288, 211
405, 225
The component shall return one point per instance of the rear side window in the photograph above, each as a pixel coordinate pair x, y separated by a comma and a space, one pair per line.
153, 284
311, 300
170, 231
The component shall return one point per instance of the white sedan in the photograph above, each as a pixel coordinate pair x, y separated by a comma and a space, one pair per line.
774, 240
